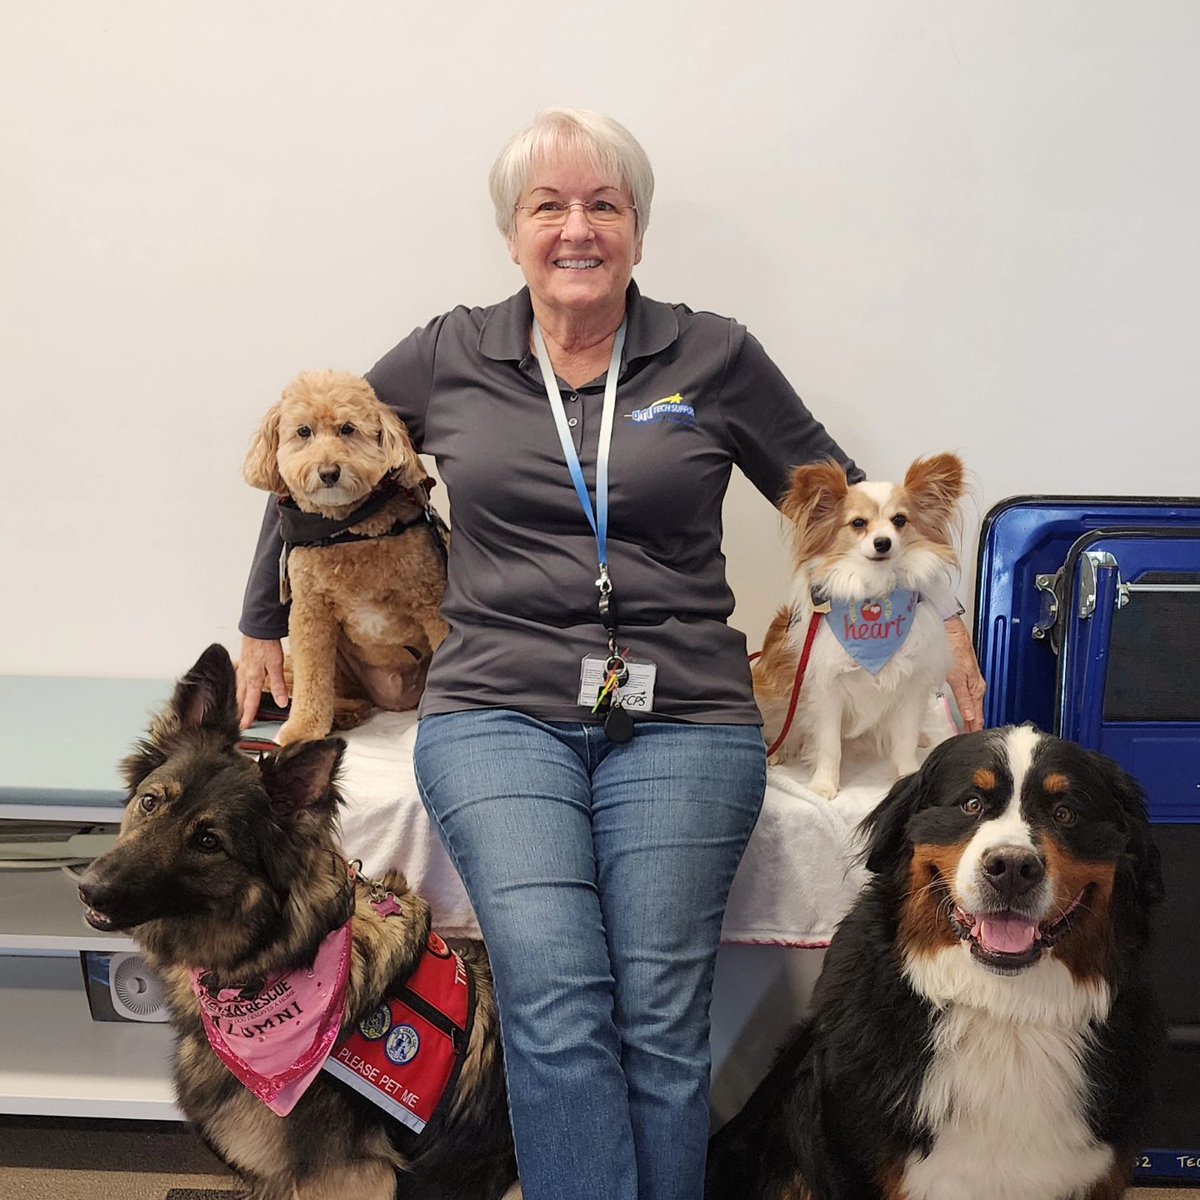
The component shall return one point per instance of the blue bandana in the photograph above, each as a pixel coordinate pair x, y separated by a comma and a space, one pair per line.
871, 631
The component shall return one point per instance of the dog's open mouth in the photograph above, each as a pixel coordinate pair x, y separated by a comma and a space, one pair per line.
98, 920
1010, 941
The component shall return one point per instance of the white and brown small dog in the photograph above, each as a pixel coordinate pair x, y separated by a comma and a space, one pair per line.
873, 560
365, 561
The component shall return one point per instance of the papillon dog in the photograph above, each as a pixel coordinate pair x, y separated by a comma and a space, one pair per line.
871, 589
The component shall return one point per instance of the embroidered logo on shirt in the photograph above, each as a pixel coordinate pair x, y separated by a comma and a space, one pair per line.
669, 408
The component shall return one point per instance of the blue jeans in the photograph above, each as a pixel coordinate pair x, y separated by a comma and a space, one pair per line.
599, 872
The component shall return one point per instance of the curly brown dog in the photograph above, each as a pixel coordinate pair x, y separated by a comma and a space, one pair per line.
364, 561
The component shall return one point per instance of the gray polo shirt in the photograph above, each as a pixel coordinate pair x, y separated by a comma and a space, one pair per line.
696, 395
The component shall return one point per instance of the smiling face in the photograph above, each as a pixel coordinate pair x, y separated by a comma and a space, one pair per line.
575, 270
1013, 848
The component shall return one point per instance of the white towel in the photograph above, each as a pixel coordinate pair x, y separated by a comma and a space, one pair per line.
799, 875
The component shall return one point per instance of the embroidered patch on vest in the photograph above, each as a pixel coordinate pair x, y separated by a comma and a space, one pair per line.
405, 1055
871, 631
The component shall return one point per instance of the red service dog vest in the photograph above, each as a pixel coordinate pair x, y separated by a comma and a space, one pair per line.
406, 1054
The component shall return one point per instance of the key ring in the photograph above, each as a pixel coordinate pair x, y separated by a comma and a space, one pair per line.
616, 666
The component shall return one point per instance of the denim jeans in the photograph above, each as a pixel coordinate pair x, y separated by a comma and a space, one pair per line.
599, 872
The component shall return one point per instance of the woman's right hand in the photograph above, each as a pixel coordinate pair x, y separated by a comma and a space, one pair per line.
261, 662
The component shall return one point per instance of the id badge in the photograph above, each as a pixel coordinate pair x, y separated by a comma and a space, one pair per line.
636, 694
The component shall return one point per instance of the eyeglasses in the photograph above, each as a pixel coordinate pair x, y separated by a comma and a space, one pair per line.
555, 212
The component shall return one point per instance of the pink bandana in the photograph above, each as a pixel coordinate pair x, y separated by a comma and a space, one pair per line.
276, 1040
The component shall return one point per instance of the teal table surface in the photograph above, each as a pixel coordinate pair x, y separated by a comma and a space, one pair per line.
62, 738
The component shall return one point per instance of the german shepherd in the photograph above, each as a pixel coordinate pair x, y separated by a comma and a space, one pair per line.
228, 872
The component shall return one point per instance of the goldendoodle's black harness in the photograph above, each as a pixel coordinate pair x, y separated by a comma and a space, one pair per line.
299, 528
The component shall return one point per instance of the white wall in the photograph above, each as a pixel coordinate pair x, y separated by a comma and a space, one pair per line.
955, 224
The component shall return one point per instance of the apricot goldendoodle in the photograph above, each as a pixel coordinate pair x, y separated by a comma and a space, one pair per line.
365, 560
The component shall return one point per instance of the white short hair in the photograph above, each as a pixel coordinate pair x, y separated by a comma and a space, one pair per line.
604, 143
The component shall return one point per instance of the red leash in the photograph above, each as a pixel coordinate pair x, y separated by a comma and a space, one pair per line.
801, 668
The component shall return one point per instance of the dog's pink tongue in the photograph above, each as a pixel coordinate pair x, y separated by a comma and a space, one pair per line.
1006, 934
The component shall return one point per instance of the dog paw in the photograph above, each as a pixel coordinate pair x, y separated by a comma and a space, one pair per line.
294, 730
350, 714
826, 786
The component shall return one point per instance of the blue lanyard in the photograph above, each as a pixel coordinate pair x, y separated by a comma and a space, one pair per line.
597, 518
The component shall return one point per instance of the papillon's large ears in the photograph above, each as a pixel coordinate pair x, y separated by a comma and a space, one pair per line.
204, 699
261, 468
934, 486
396, 443
813, 505
816, 489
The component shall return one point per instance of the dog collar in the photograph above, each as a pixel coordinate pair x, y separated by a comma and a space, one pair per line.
872, 631
300, 528
276, 1035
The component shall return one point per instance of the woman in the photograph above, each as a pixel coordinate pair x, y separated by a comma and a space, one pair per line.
589, 746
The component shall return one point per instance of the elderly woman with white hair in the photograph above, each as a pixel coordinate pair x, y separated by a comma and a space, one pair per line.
589, 748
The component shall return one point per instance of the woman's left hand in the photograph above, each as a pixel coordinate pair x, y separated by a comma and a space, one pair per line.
964, 676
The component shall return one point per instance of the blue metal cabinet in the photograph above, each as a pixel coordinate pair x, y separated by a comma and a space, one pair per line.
1087, 623
1128, 683
1024, 544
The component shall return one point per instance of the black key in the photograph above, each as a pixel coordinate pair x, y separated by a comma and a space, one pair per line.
618, 725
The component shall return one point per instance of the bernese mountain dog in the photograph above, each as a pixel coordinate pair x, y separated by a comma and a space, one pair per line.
983, 1027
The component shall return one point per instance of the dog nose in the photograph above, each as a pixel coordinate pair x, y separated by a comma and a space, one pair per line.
883, 544
1013, 870
330, 475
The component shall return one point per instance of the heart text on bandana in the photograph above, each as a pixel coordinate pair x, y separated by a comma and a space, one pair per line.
871, 631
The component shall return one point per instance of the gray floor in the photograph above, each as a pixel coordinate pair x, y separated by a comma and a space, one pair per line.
45, 1159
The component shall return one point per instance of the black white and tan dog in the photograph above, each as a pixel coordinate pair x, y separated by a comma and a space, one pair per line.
983, 1028
317, 1013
